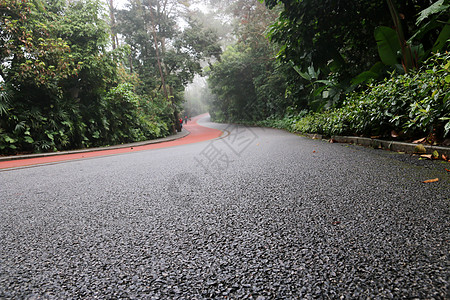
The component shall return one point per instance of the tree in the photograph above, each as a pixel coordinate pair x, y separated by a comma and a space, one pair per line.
29, 52
34, 63
163, 53
336, 38
61, 87
248, 82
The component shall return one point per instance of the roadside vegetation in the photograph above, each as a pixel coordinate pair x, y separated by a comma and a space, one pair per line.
358, 68
83, 73
76, 74
408, 105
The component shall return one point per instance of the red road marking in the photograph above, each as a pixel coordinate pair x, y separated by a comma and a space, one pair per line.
197, 134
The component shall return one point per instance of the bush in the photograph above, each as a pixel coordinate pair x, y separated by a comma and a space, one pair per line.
132, 118
412, 104
121, 116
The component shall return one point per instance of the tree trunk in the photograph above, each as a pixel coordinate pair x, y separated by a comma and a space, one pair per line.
114, 38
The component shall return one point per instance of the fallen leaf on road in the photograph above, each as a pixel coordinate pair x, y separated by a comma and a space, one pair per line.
332, 141
431, 180
428, 156
444, 157
419, 140
447, 170
314, 151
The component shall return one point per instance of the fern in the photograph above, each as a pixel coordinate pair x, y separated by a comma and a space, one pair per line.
5, 98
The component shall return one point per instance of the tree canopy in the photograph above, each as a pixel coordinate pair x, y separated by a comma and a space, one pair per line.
325, 51
74, 74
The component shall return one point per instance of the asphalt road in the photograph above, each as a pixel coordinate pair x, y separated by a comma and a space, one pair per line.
258, 214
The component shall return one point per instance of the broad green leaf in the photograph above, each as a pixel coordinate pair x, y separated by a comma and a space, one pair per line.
313, 73
442, 39
9, 139
29, 139
377, 68
326, 82
364, 77
318, 91
388, 45
304, 75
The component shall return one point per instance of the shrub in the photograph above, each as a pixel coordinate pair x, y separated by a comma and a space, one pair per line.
414, 104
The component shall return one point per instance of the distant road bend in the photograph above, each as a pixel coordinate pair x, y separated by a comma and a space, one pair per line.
256, 214
196, 132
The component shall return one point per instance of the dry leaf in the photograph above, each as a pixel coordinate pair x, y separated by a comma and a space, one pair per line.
427, 156
420, 140
444, 157
431, 180
332, 141
314, 151
447, 170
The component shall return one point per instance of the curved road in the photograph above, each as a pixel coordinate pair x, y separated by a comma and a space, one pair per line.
257, 214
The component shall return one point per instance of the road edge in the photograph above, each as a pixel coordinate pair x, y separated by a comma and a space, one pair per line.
409, 148
169, 138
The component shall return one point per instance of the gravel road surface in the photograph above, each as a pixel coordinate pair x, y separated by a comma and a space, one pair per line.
258, 214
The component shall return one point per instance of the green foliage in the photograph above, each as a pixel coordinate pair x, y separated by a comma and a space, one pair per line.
129, 118
248, 83
336, 37
59, 84
231, 80
431, 20
414, 104
5, 98
247, 88
29, 52
388, 45
317, 33
165, 57
440, 6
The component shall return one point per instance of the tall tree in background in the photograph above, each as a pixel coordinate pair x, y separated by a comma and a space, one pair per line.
164, 54
60, 86
112, 24
248, 82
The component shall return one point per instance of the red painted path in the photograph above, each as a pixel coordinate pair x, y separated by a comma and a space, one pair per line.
197, 134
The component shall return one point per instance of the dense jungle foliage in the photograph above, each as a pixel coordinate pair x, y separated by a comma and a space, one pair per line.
338, 67
77, 74
84, 73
